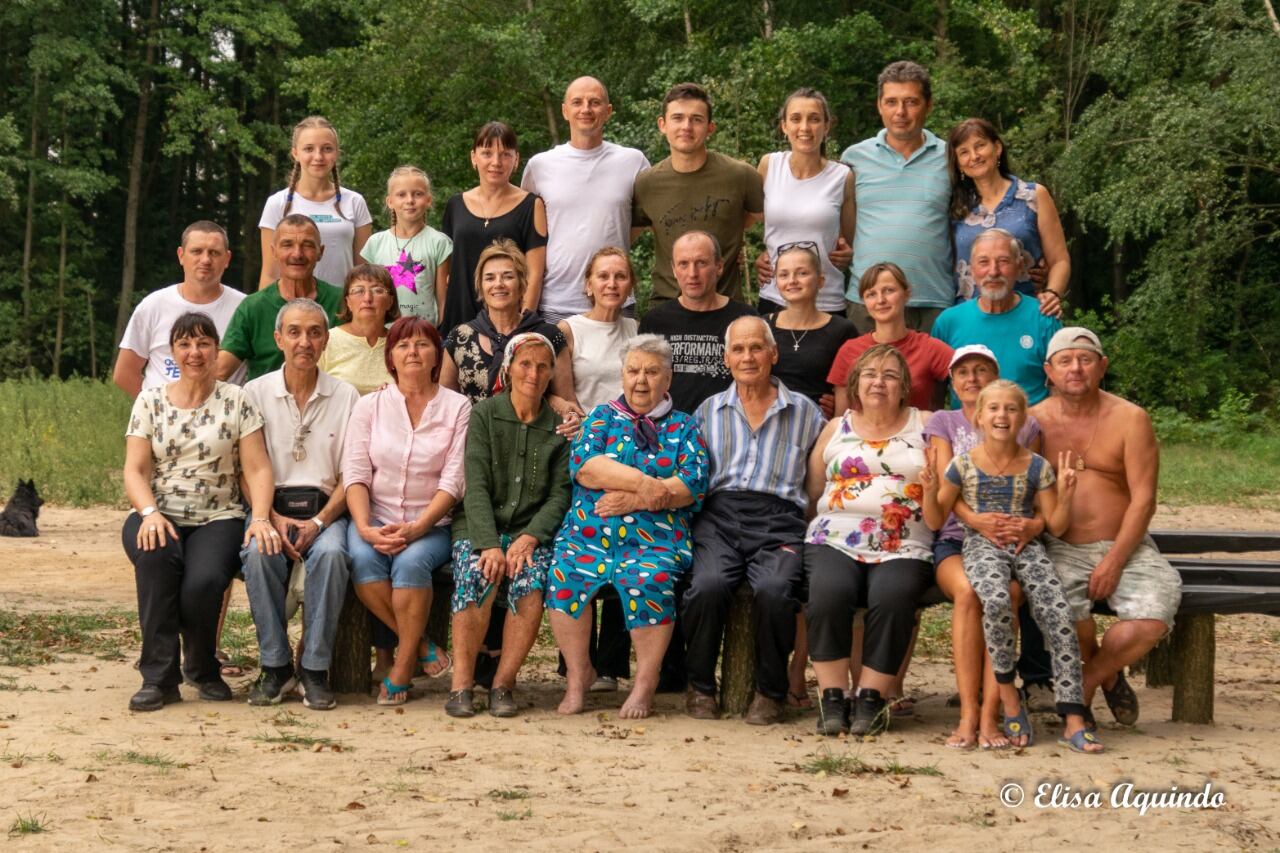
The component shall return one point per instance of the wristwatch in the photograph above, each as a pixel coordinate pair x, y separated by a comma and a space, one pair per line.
147, 510
318, 523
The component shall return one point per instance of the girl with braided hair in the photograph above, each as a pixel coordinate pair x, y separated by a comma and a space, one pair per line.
314, 190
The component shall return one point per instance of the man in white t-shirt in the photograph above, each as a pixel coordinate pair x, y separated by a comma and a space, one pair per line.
586, 185
145, 359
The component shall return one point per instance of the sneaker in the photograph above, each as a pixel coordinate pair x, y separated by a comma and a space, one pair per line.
833, 712
604, 684
502, 702
153, 698
461, 703
215, 690
870, 713
272, 684
316, 694
1037, 698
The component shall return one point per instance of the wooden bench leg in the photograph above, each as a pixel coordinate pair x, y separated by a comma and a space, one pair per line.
1160, 663
350, 672
738, 666
1194, 646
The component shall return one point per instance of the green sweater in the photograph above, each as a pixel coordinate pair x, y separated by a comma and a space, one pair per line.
517, 476
251, 334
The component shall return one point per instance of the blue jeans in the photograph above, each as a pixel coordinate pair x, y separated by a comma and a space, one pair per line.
410, 569
266, 578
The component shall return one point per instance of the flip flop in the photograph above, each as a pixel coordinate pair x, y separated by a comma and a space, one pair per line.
1077, 741
1122, 701
228, 669
435, 655
396, 694
901, 707
799, 699
1019, 726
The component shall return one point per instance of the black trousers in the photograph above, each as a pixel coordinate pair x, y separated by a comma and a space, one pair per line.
839, 585
180, 588
1034, 663
754, 537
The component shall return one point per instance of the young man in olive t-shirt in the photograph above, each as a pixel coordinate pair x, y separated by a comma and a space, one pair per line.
695, 190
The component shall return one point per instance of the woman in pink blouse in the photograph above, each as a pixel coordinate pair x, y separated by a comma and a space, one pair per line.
403, 469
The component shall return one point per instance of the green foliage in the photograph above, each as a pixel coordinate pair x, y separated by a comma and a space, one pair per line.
66, 435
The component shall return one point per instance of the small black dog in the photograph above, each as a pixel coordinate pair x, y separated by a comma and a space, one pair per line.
19, 516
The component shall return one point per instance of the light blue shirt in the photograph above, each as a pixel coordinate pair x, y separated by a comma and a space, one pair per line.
903, 216
772, 459
1019, 338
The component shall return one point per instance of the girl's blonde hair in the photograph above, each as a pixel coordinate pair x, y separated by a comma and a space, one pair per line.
1001, 385
408, 171
503, 248
295, 174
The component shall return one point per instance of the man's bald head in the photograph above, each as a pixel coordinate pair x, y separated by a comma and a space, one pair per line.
586, 86
586, 108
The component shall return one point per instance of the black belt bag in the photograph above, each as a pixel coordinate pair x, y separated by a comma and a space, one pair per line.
299, 503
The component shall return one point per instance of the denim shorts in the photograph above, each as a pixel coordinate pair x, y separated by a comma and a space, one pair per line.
410, 569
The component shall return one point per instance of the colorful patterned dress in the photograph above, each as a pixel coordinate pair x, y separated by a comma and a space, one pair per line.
870, 507
642, 553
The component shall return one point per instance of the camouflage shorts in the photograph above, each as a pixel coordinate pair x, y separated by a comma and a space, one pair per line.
1149, 587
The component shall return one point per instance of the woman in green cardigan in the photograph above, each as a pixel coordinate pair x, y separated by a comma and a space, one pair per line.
518, 488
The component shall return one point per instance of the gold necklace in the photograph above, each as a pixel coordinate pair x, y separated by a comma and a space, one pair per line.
1004, 467
1097, 418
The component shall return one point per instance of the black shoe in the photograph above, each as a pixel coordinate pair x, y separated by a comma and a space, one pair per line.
461, 703
870, 713
153, 698
316, 694
216, 690
833, 712
502, 702
272, 684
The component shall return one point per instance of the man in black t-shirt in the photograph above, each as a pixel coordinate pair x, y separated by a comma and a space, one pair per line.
694, 324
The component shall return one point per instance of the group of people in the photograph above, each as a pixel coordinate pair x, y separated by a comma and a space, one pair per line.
484, 398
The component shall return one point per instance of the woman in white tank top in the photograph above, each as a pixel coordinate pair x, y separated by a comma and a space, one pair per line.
807, 199
595, 338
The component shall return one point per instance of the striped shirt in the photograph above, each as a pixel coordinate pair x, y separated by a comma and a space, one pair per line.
903, 216
772, 459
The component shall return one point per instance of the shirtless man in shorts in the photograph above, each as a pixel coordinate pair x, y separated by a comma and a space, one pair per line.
1106, 553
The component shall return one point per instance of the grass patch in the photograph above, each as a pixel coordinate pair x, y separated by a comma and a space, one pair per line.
934, 639
239, 640
1244, 472
296, 739
38, 639
29, 825
524, 815
509, 794
66, 435
158, 760
285, 719
848, 764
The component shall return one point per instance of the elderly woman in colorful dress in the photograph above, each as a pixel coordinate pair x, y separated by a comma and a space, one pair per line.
517, 470
640, 473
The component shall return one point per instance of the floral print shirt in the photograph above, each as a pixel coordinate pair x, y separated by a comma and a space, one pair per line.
1016, 213
870, 507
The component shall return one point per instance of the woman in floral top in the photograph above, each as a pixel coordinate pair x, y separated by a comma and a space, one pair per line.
868, 545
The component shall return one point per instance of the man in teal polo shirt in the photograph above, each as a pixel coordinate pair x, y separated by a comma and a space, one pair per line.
251, 334
903, 194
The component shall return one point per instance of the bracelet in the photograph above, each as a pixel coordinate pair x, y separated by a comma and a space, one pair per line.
260, 520
147, 510
318, 523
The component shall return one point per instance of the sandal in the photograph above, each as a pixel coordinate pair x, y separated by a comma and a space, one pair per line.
435, 655
229, 669
1019, 726
901, 707
396, 694
799, 699
1122, 701
1077, 742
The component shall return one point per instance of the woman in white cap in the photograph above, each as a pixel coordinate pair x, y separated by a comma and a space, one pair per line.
950, 433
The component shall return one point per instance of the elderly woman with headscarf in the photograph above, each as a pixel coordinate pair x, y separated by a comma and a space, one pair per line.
640, 473
517, 471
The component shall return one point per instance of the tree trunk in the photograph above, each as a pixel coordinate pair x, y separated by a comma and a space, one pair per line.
738, 666
350, 671
62, 289
1160, 664
1194, 644
133, 200
93, 350
766, 6
1119, 286
688, 25
29, 233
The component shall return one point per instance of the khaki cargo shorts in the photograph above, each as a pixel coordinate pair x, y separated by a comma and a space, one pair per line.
1149, 587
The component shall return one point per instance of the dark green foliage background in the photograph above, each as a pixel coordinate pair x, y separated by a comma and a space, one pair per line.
1155, 125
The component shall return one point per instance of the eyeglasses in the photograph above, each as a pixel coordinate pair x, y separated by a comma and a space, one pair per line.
872, 374
808, 245
300, 435
376, 290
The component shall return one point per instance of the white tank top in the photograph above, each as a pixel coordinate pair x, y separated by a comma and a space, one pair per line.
798, 210
597, 369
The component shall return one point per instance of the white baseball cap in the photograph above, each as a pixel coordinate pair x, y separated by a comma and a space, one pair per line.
973, 349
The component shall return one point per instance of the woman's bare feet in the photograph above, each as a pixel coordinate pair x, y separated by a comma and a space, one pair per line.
577, 685
965, 735
990, 736
639, 702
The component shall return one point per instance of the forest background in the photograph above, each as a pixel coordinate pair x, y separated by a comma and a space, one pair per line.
1156, 126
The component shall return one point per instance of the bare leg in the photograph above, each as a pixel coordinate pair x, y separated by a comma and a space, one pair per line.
967, 648
411, 608
1122, 644
1012, 707
519, 633
469, 626
650, 645
832, 673
879, 681
573, 636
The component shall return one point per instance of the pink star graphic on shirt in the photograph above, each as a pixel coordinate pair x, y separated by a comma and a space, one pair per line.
404, 272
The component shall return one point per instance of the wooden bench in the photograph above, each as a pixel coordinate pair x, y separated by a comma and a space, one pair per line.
1185, 659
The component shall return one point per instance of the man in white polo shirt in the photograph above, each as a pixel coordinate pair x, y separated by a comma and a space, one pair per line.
586, 185
145, 359
305, 414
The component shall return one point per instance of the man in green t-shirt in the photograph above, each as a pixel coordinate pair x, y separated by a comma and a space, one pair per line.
250, 335
695, 190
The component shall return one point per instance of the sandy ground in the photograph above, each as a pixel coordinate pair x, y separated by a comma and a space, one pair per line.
414, 778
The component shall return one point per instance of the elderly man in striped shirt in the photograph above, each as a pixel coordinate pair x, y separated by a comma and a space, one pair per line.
752, 525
